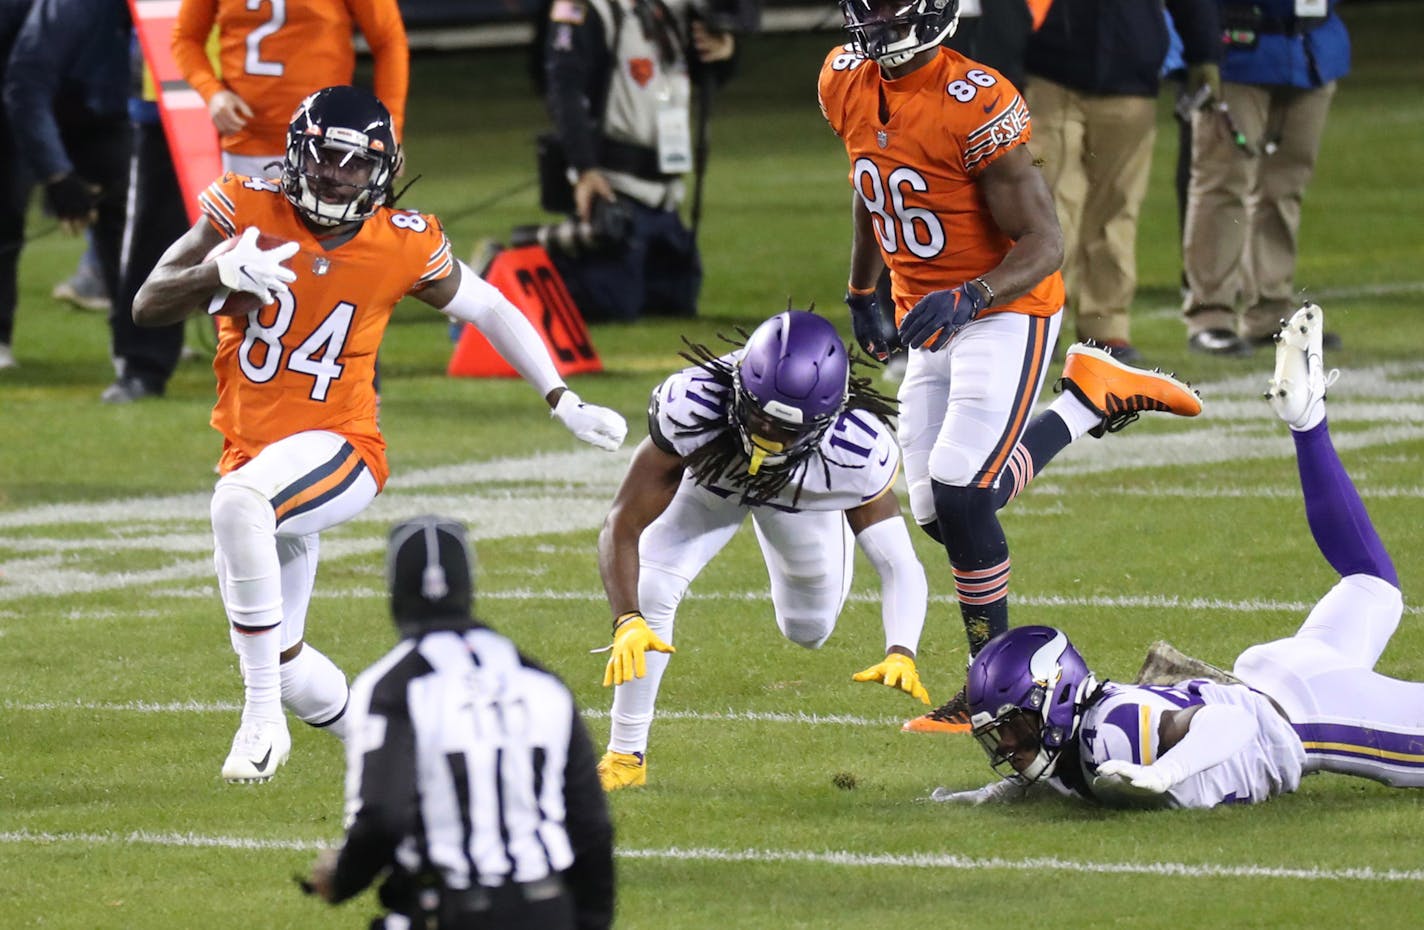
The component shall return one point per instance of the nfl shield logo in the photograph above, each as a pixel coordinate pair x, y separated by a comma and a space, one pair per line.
882, 138
320, 265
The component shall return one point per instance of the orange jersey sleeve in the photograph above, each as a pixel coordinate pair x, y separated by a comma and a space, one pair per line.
916, 170
191, 29
381, 25
273, 53
308, 360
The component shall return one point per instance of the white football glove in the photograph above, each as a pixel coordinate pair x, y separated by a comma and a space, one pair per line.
246, 267
994, 792
597, 426
1126, 778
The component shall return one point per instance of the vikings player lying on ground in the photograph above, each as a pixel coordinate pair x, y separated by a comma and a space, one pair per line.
1311, 702
781, 429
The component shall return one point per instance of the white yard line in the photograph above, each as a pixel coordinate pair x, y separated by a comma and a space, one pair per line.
838, 857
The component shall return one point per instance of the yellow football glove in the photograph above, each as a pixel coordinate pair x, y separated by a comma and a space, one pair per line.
896, 671
631, 638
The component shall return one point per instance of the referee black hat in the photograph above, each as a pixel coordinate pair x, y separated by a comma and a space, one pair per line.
429, 570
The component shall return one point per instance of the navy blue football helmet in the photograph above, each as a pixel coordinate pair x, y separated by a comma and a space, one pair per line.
1026, 690
342, 155
788, 386
891, 32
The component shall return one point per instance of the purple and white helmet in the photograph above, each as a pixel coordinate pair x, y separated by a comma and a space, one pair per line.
1025, 692
788, 386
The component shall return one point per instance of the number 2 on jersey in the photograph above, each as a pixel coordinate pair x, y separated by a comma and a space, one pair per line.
253, 63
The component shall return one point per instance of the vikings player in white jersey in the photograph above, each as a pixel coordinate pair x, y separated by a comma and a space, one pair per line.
783, 430
1308, 703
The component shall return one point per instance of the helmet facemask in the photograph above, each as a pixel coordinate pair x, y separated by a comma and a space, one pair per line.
1027, 689
341, 157
774, 434
891, 32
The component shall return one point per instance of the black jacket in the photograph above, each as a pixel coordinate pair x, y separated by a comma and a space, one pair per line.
1118, 46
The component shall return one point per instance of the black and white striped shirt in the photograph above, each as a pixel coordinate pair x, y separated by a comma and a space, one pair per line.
467, 760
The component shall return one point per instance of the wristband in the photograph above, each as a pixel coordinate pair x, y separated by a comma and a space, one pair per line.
987, 290
624, 618
859, 291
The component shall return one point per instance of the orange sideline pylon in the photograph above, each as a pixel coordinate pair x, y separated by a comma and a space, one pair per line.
527, 277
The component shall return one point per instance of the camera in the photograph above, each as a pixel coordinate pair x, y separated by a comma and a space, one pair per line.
607, 230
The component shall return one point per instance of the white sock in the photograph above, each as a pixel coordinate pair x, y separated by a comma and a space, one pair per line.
315, 690
259, 654
1076, 415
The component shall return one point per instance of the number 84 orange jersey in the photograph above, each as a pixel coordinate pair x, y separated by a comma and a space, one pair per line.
308, 360
916, 146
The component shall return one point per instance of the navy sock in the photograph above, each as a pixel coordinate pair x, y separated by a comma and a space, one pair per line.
979, 556
1045, 437
1337, 517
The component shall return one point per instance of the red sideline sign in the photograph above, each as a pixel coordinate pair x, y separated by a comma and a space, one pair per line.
527, 277
192, 140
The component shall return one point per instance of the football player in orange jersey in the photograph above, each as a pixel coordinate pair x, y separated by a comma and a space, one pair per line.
296, 404
273, 54
948, 197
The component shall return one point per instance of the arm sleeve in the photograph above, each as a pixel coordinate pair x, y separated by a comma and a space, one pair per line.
576, 63
1216, 733
590, 878
480, 303
382, 797
190, 46
903, 588
45, 50
380, 22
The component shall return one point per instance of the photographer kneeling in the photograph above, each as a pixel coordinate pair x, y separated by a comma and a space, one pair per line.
618, 85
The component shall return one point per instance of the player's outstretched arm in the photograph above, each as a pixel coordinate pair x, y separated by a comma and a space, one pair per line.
181, 282
880, 531
1000, 792
1190, 741
648, 487
464, 295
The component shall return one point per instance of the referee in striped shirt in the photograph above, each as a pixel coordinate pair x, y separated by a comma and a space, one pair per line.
470, 778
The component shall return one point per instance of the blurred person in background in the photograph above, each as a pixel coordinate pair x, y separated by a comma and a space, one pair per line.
272, 55
1093, 79
14, 191
618, 83
1252, 157
66, 90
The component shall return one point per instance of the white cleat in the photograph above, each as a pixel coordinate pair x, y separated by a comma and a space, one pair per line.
257, 750
1297, 389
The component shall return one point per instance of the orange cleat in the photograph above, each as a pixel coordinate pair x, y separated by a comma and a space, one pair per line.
952, 717
1120, 392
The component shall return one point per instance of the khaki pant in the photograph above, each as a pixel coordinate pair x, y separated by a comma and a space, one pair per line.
1243, 205
1096, 151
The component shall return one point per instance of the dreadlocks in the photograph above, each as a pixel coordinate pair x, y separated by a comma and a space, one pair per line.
716, 458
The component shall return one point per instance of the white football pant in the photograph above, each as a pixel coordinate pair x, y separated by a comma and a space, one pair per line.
266, 516
809, 556
963, 409
1350, 718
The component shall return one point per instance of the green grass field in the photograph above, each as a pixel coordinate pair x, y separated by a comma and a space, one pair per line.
119, 693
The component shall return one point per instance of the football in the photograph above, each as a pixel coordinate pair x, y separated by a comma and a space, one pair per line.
238, 303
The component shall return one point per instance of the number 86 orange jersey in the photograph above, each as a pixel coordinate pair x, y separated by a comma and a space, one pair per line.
916, 147
308, 360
